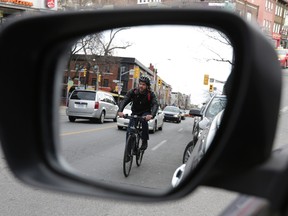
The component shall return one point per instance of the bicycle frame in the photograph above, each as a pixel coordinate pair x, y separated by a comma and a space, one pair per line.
134, 150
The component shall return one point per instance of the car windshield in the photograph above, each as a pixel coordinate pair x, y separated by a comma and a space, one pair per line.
217, 104
83, 95
172, 109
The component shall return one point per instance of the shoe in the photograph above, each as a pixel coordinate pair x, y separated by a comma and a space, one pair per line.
144, 145
127, 158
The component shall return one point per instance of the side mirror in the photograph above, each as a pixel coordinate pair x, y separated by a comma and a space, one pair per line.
195, 112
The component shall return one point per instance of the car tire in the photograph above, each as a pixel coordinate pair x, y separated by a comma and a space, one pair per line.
195, 133
115, 119
101, 118
71, 119
187, 152
120, 127
161, 127
154, 127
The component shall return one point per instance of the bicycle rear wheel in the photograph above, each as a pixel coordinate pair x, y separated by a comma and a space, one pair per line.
128, 157
139, 154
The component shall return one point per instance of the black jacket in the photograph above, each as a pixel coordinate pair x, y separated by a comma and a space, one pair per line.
141, 103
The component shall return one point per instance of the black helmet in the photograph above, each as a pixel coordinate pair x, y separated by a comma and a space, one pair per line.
145, 79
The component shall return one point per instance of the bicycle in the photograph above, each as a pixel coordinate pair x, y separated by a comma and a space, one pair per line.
132, 147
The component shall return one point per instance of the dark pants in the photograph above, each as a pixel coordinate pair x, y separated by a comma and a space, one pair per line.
145, 129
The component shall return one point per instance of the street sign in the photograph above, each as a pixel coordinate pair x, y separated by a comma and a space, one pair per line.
116, 81
131, 72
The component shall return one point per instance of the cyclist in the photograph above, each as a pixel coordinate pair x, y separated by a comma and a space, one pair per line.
144, 103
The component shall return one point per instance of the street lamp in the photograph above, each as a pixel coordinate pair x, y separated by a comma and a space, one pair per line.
96, 71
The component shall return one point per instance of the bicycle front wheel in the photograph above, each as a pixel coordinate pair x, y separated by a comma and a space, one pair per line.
139, 154
128, 156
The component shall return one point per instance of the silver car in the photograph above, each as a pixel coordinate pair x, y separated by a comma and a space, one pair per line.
93, 105
154, 124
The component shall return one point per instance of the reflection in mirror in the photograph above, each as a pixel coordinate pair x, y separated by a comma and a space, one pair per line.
187, 66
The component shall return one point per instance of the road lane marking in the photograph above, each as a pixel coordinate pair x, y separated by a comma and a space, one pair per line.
180, 129
158, 145
85, 131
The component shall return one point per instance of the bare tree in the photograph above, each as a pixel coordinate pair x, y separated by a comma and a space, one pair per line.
221, 38
108, 47
92, 47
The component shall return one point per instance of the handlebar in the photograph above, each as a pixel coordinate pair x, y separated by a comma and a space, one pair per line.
126, 116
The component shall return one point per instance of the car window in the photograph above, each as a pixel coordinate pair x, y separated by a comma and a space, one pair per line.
112, 99
172, 109
83, 95
216, 105
101, 96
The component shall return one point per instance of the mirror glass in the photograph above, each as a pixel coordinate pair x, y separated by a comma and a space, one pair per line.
187, 67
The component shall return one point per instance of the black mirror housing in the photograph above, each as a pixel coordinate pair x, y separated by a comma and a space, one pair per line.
31, 155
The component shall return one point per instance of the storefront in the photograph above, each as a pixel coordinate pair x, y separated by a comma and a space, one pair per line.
277, 39
17, 7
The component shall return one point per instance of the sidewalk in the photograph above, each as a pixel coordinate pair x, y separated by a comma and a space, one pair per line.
62, 110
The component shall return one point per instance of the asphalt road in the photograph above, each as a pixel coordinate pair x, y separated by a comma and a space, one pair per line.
96, 150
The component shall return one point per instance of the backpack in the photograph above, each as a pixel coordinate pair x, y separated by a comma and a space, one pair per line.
148, 94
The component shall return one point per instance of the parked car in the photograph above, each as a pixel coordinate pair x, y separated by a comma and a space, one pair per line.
282, 57
153, 124
240, 157
93, 105
193, 153
172, 113
206, 114
198, 149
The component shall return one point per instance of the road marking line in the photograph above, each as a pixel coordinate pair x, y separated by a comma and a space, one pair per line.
180, 129
157, 146
85, 131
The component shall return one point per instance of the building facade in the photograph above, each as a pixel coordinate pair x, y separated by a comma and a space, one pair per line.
113, 74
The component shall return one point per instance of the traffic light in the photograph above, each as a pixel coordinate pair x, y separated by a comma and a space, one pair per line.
206, 79
159, 82
99, 77
136, 72
211, 88
85, 71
